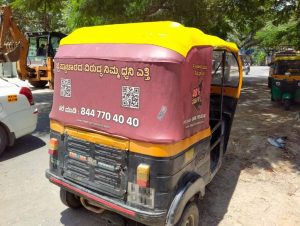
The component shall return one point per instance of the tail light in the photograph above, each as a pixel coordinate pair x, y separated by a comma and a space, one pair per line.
142, 175
28, 94
53, 146
141, 193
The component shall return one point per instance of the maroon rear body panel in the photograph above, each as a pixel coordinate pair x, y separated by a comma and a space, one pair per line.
140, 92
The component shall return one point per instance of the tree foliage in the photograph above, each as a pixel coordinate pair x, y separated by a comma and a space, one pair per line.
235, 20
188, 12
272, 36
283, 28
248, 23
42, 15
212, 16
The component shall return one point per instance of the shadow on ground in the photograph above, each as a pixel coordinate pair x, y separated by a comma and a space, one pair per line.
22, 146
78, 217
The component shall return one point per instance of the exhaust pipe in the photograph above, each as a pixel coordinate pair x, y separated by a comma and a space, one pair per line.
108, 217
91, 206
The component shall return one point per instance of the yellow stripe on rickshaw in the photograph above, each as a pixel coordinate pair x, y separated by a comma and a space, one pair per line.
141, 147
286, 77
168, 150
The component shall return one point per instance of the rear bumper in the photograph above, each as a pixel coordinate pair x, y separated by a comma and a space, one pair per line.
146, 217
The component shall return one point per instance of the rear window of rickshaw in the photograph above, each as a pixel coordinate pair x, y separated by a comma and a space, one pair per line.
287, 66
231, 69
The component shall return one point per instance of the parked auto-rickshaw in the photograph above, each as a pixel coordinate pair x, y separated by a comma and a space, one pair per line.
284, 79
141, 119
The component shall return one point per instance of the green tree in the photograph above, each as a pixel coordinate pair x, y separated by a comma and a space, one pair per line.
283, 28
272, 36
201, 13
43, 15
266, 23
229, 19
259, 57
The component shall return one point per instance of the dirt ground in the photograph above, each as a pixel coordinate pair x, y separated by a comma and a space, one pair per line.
258, 184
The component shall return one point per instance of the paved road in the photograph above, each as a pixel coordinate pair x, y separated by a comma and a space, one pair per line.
258, 72
26, 197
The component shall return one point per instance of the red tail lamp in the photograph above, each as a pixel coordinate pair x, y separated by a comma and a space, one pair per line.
28, 94
143, 175
53, 146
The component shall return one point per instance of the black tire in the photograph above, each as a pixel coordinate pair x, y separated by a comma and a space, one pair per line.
287, 104
69, 199
190, 216
3, 140
38, 84
269, 82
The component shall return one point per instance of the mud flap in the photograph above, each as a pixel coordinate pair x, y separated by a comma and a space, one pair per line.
182, 198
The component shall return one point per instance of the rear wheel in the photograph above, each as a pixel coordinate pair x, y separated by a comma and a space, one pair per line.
38, 84
69, 199
3, 140
287, 104
190, 216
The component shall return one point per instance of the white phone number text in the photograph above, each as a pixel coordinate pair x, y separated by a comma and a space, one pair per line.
104, 115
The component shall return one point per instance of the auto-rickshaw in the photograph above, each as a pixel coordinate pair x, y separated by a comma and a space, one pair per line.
141, 118
284, 79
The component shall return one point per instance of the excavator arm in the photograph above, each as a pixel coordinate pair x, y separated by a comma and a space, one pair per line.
13, 43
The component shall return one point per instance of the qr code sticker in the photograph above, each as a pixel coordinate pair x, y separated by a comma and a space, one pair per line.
65, 87
130, 97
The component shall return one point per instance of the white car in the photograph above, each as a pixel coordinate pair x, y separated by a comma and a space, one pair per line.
18, 113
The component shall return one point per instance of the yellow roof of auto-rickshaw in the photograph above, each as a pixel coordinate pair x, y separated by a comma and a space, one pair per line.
295, 57
288, 54
167, 34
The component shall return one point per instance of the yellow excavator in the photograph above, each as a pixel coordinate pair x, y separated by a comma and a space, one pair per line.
33, 51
